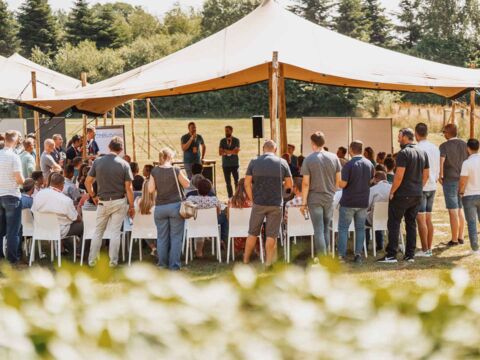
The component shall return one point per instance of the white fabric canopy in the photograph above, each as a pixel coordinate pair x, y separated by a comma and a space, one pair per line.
241, 54
15, 79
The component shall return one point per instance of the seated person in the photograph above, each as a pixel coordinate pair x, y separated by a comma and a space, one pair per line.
147, 170
239, 200
86, 202
138, 179
70, 189
205, 201
77, 164
297, 199
192, 189
389, 163
27, 193
145, 205
379, 192
82, 176
52, 200
381, 157
37, 176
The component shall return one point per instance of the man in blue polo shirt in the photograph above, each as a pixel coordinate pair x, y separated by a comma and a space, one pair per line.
191, 144
355, 182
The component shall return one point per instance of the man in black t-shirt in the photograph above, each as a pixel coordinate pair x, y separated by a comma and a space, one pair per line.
228, 149
411, 175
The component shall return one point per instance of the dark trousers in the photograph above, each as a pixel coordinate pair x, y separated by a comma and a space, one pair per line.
378, 236
228, 172
76, 229
10, 222
398, 208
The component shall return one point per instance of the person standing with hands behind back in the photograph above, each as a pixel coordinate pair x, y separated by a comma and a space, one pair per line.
191, 143
228, 150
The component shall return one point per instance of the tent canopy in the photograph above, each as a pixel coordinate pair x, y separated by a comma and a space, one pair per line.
241, 54
16, 79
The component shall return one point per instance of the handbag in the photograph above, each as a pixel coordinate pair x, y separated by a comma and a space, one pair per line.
187, 208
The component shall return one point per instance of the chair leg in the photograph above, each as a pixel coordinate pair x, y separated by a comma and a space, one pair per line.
229, 243
32, 253
40, 253
287, 246
59, 255
261, 250
374, 243
192, 245
122, 244
82, 250
219, 250
130, 252
311, 246
140, 249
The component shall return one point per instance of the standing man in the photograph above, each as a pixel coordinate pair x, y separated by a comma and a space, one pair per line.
406, 195
58, 153
355, 182
228, 150
114, 198
47, 162
191, 143
470, 190
27, 158
453, 153
321, 178
266, 177
424, 217
92, 146
10, 198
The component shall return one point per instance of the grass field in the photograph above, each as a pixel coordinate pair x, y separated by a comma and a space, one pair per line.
167, 132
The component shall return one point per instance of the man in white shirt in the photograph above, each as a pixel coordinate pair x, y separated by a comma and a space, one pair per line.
52, 200
10, 198
424, 217
47, 163
379, 192
470, 191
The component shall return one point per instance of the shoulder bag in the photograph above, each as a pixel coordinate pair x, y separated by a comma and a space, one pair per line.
187, 208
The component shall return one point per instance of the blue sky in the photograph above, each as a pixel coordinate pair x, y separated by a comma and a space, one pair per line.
158, 7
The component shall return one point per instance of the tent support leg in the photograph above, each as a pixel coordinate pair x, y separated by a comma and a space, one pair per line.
148, 128
273, 96
132, 119
36, 122
282, 112
472, 111
83, 78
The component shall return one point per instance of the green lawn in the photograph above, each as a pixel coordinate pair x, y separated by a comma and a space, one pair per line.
168, 132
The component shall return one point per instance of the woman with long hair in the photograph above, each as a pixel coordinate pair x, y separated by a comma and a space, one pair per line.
145, 205
167, 181
370, 155
239, 200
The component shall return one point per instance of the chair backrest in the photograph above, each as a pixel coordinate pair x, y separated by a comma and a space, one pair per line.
89, 223
27, 222
144, 227
380, 216
296, 223
46, 227
205, 225
238, 222
127, 224
336, 215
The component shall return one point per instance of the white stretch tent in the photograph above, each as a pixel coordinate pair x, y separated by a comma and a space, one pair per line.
16, 79
242, 53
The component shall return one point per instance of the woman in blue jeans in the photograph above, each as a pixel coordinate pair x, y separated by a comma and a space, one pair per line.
167, 181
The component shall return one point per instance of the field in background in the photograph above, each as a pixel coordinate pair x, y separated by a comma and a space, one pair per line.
168, 132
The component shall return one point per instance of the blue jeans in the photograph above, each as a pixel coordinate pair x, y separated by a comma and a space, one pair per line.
169, 235
321, 216
10, 222
471, 207
346, 215
452, 197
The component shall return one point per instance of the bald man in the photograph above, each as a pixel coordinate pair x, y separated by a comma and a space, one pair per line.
47, 163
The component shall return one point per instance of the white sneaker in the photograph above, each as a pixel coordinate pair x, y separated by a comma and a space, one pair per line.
473, 252
421, 253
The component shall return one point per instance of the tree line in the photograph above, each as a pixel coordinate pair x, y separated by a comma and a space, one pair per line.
107, 39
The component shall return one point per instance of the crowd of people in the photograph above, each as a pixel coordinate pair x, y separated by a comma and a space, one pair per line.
352, 182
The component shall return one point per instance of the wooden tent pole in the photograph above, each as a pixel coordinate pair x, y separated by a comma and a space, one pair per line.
132, 119
105, 119
20, 112
452, 115
83, 78
273, 96
148, 128
282, 109
36, 122
96, 121
472, 111
113, 116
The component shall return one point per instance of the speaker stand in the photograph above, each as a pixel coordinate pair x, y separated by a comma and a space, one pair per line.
258, 139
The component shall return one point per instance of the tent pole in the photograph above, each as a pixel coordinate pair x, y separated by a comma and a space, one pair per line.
452, 115
96, 121
20, 112
148, 128
273, 96
113, 116
282, 109
105, 119
83, 78
132, 119
36, 122
472, 111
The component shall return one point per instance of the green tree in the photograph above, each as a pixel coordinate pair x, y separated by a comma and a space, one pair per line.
316, 11
378, 24
350, 20
178, 21
143, 24
112, 30
8, 31
409, 27
37, 27
81, 24
218, 14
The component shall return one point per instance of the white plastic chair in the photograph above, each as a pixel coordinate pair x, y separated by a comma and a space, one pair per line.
143, 228
297, 225
89, 225
334, 230
238, 223
204, 226
380, 220
46, 227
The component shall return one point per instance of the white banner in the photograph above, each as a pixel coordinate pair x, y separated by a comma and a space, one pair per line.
13, 124
103, 135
